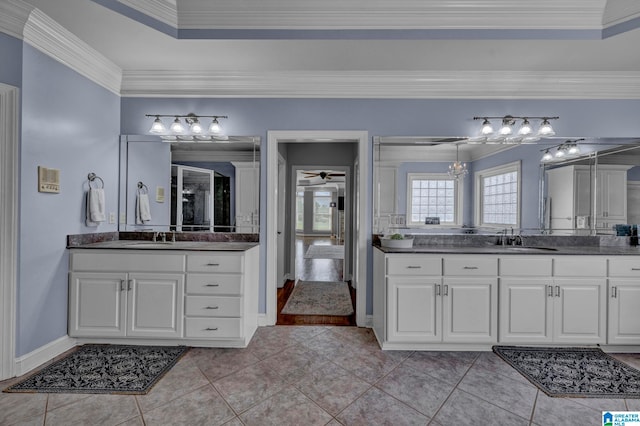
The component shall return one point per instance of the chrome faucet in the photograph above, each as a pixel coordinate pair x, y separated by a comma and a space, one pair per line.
161, 235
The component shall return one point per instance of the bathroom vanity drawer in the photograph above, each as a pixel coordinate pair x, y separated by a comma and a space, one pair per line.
414, 265
573, 266
528, 266
152, 261
212, 306
212, 328
215, 262
624, 267
470, 266
214, 284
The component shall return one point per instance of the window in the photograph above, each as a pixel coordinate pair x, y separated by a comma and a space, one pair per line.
322, 211
498, 192
433, 195
300, 211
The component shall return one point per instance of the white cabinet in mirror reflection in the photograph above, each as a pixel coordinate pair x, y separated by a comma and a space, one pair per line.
247, 196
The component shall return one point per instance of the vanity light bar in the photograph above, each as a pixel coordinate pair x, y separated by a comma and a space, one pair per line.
507, 134
194, 128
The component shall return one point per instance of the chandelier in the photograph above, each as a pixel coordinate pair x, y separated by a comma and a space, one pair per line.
458, 169
191, 130
507, 133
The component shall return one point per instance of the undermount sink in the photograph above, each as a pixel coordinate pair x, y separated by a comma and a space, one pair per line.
521, 248
150, 244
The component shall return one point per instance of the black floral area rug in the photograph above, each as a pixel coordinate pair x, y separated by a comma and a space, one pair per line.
113, 369
573, 372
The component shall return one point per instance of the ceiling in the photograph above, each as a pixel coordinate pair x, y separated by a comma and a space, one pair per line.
287, 45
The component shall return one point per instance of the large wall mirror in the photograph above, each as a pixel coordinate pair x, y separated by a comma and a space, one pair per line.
587, 191
190, 186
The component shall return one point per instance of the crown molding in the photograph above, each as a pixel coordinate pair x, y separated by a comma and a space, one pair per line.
49, 37
620, 11
399, 14
383, 84
13, 17
165, 11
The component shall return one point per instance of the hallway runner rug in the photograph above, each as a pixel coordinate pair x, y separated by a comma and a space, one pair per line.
573, 372
325, 252
319, 298
111, 369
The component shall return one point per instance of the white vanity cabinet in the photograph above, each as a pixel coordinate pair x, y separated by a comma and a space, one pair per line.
127, 303
199, 298
624, 300
553, 299
611, 196
424, 299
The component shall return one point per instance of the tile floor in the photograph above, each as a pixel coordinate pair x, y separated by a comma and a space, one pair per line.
319, 375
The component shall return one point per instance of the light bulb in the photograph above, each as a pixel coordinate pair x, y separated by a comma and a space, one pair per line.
176, 126
547, 156
215, 127
573, 149
157, 126
196, 127
525, 129
546, 129
561, 152
487, 129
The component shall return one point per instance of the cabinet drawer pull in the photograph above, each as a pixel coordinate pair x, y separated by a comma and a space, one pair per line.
446, 290
557, 291
437, 289
211, 307
213, 264
212, 285
549, 291
414, 267
211, 329
470, 267
129, 285
635, 269
122, 285
614, 292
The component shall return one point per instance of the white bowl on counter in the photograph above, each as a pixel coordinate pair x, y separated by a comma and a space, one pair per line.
391, 243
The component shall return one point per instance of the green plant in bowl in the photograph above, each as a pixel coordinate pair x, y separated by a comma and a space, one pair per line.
397, 237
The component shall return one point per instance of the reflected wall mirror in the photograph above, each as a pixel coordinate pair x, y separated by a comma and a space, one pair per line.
506, 186
191, 186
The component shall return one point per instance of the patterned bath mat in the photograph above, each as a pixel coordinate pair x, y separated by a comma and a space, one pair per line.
114, 369
319, 298
573, 372
325, 252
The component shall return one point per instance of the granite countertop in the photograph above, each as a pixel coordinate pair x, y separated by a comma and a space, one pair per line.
518, 250
178, 245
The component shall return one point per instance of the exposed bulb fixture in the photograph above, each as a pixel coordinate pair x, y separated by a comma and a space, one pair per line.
547, 156
561, 152
458, 169
573, 149
505, 133
566, 150
193, 131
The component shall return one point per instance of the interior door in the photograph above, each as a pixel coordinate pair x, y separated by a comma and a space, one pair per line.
193, 198
282, 168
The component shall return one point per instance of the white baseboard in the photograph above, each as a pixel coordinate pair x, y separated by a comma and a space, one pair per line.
262, 320
45, 353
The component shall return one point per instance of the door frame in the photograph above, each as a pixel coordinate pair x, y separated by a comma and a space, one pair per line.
361, 203
9, 212
346, 265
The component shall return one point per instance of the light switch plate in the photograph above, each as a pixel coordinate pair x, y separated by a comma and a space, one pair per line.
160, 194
48, 180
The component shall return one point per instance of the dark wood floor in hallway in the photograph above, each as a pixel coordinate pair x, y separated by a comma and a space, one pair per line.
314, 270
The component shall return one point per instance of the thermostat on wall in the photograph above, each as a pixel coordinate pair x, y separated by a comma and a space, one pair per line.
48, 180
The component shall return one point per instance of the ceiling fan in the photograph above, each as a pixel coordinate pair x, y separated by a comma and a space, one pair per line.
323, 175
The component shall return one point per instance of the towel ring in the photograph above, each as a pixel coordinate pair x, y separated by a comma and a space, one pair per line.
92, 177
142, 188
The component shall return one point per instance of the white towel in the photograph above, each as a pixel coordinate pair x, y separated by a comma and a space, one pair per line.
96, 205
143, 210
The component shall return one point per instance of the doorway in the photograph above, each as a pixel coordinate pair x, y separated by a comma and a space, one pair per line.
356, 248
